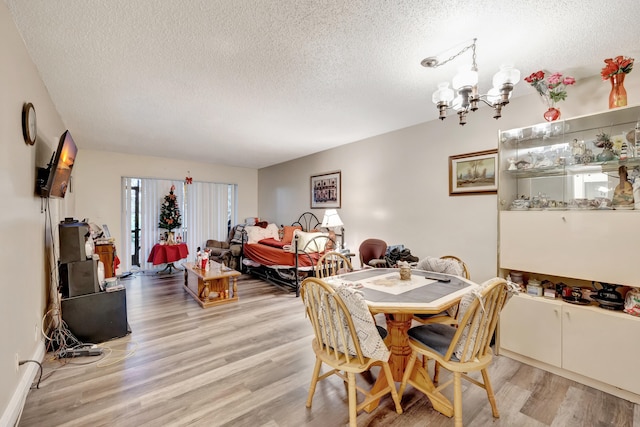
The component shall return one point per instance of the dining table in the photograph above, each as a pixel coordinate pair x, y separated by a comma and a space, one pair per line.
425, 292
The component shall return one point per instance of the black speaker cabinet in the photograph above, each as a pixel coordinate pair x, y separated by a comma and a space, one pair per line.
72, 239
79, 278
95, 318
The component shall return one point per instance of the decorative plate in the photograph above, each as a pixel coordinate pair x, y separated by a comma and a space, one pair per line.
580, 301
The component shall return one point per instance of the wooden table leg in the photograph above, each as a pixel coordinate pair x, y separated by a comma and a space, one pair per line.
397, 326
235, 286
420, 380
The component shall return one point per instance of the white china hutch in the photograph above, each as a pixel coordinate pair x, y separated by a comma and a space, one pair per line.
557, 223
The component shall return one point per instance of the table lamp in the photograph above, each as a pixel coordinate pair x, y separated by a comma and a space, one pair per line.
331, 219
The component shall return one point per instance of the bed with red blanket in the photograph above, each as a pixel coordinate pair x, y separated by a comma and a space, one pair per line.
288, 259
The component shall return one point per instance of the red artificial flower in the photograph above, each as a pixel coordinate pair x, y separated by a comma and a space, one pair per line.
534, 77
621, 64
553, 89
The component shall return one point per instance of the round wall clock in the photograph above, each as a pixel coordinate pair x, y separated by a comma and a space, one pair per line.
29, 127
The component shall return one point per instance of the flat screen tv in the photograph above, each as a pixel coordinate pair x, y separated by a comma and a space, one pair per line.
53, 181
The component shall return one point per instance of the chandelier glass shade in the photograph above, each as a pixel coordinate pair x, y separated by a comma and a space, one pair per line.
463, 96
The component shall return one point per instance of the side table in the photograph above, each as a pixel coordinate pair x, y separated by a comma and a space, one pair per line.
219, 280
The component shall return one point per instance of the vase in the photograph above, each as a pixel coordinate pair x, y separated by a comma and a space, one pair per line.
606, 155
551, 114
618, 94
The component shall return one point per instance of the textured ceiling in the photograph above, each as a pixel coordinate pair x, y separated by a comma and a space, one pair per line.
255, 83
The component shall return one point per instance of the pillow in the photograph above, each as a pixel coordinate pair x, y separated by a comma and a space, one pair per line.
287, 237
237, 234
304, 238
256, 233
439, 265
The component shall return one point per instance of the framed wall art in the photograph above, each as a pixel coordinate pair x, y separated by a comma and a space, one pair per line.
473, 173
326, 190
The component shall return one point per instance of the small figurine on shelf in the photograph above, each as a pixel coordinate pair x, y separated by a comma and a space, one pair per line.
604, 141
623, 193
198, 262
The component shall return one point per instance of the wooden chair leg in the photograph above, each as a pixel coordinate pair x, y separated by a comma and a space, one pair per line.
457, 399
394, 393
407, 373
490, 395
314, 381
352, 399
436, 372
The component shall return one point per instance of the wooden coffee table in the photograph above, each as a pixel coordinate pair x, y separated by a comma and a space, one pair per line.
216, 286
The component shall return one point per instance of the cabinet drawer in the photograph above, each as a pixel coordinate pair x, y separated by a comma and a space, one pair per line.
588, 245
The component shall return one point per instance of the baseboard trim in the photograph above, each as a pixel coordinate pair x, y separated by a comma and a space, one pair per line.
607, 388
29, 372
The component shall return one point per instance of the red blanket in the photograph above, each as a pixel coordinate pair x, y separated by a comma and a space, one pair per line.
275, 256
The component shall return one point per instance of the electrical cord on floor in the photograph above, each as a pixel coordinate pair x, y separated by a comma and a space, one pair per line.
129, 353
22, 362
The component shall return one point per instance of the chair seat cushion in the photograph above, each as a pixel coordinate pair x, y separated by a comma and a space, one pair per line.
429, 316
382, 331
435, 336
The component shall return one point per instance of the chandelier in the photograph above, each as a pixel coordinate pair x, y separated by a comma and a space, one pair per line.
465, 84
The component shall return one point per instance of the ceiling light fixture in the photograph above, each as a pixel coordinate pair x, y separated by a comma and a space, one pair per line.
466, 85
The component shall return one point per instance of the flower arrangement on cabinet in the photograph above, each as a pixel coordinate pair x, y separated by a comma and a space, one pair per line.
617, 65
615, 70
552, 87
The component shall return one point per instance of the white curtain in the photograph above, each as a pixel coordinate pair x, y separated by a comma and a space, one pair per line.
209, 208
206, 209
126, 249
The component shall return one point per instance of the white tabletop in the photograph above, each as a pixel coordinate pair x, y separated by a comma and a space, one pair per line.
425, 292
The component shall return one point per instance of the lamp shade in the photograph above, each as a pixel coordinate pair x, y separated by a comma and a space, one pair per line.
465, 77
443, 94
507, 74
331, 219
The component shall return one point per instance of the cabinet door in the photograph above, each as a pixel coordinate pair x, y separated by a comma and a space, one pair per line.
531, 326
588, 245
602, 345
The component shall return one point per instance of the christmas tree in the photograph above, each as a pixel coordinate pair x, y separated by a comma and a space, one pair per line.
169, 212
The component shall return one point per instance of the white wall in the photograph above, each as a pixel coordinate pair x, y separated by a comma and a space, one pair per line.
395, 186
97, 183
26, 256
24, 264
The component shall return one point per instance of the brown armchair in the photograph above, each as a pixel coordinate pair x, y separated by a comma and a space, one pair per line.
227, 252
372, 252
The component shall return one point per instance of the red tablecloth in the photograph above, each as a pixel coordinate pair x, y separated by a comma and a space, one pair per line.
165, 254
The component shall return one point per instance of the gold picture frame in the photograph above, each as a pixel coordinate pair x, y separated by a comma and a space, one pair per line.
473, 173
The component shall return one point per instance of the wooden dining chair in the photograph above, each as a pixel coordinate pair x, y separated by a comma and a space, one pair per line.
461, 349
332, 264
347, 340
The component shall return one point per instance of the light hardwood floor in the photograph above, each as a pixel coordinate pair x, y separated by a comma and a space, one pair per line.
250, 363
